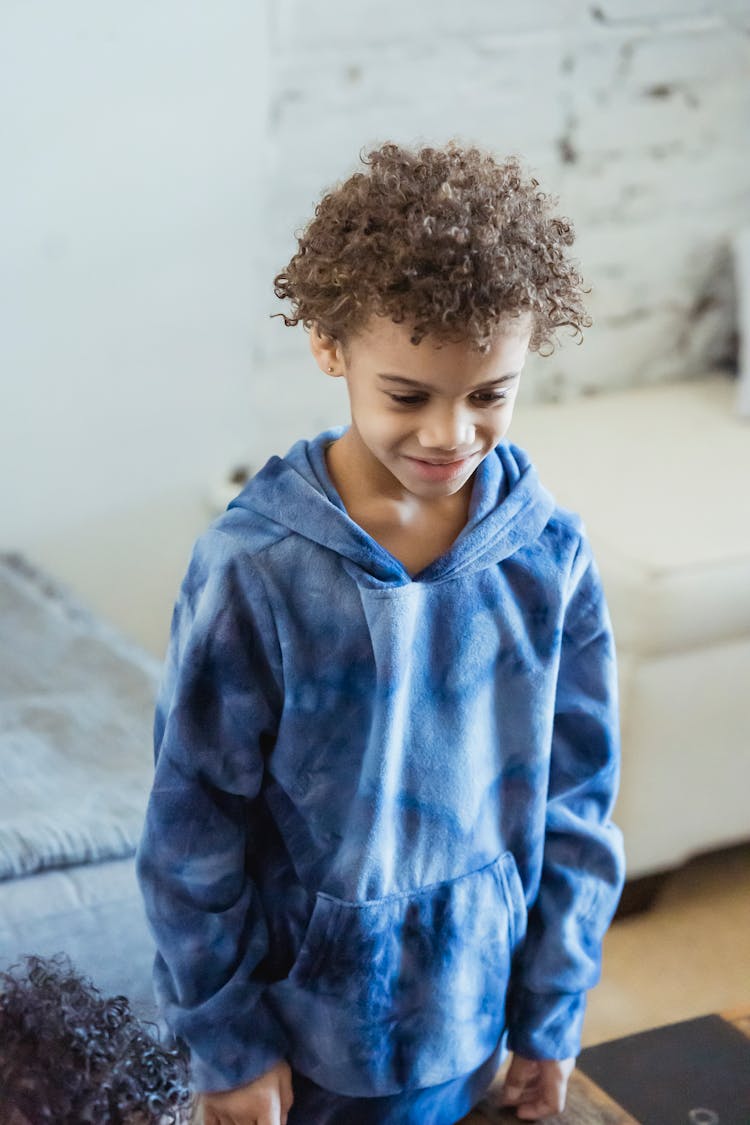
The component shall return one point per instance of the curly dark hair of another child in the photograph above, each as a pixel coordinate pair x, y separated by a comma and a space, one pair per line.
72, 1056
449, 240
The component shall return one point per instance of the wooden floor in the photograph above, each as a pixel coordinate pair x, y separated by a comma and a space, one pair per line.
688, 956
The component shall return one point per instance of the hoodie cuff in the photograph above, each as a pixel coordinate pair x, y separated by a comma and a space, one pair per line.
545, 1026
233, 1052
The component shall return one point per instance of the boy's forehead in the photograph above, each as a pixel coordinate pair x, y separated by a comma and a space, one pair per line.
389, 345
381, 330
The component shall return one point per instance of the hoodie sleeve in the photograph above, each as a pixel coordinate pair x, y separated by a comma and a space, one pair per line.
583, 862
215, 720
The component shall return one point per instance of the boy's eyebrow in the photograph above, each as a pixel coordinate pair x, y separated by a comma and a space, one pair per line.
507, 378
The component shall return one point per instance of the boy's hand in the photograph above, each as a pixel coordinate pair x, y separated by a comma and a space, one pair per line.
537, 1087
266, 1101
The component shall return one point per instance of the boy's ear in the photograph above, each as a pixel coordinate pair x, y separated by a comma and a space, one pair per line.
327, 352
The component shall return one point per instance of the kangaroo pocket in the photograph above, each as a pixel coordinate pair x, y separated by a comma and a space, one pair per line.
404, 991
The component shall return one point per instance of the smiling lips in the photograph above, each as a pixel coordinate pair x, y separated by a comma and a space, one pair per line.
440, 470
454, 461
443, 460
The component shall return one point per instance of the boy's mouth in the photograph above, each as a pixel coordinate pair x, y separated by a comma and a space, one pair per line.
440, 470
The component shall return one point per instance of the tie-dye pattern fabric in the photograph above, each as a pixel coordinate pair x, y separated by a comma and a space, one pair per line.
379, 837
430, 1105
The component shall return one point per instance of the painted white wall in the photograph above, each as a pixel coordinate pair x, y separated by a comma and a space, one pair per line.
134, 147
158, 158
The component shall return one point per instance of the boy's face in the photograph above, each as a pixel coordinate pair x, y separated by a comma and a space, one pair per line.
424, 416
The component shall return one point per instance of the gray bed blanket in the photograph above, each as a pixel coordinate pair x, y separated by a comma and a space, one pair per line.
76, 709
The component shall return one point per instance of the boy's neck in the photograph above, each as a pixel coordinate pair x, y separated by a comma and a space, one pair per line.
370, 492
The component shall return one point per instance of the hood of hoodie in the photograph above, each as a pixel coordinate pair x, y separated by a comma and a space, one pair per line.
508, 510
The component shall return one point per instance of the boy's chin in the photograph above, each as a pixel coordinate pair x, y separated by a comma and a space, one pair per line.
435, 490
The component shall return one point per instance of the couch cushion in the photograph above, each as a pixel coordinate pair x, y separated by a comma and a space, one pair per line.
661, 477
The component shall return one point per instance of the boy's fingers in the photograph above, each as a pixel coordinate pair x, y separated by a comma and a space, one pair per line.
511, 1095
521, 1070
532, 1111
551, 1099
554, 1088
272, 1111
287, 1096
286, 1090
520, 1079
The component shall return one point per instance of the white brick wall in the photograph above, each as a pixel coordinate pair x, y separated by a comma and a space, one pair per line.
635, 114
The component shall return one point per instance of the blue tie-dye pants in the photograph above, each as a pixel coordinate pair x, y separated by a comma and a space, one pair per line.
434, 1105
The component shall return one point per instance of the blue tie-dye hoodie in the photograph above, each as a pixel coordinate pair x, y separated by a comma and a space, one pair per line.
379, 835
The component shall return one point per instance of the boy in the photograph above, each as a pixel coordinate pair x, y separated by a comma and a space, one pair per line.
378, 850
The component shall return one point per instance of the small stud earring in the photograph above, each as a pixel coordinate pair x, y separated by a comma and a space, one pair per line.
330, 371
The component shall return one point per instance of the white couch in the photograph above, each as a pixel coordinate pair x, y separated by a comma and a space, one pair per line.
661, 477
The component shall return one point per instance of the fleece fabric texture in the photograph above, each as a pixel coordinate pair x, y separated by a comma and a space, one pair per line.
76, 701
379, 840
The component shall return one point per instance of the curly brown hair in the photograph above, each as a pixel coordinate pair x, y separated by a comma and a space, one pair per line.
448, 239
69, 1054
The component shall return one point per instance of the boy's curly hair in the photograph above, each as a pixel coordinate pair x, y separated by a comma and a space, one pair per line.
69, 1055
447, 239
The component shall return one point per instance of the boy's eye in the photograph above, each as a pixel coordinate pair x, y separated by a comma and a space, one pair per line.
491, 396
407, 400
483, 398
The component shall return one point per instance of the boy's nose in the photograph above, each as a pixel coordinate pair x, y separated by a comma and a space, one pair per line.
446, 432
